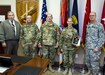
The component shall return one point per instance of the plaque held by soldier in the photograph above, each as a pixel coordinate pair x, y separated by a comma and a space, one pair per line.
76, 41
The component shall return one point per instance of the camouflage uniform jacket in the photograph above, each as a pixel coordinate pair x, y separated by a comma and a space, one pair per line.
49, 34
29, 34
95, 35
66, 38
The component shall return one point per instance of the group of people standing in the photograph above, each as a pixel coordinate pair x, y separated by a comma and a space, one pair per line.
48, 39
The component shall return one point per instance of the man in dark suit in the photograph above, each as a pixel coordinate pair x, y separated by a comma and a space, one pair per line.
9, 34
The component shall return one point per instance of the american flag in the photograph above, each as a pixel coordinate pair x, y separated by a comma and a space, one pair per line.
44, 10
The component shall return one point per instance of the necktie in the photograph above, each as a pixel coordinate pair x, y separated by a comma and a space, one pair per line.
13, 27
12, 23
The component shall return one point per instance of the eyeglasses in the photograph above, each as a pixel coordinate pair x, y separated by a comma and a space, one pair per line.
92, 15
69, 21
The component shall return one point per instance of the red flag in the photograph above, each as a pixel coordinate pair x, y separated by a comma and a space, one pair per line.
64, 12
103, 19
86, 20
103, 16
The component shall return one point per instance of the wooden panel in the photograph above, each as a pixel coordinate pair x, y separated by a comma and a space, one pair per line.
4, 9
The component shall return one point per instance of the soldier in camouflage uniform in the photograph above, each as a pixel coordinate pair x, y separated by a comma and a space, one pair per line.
49, 39
95, 37
29, 37
66, 46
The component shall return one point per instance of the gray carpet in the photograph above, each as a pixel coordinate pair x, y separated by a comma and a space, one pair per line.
59, 73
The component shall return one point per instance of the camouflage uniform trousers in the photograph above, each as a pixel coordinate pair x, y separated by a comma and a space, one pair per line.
68, 58
92, 61
30, 51
49, 52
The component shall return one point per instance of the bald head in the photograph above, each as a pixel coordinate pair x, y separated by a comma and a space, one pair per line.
49, 17
48, 14
92, 16
29, 19
93, 13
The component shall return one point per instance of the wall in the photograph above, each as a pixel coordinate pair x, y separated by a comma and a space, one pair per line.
10, 2
54, 8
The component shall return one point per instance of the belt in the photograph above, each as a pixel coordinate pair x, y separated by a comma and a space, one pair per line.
12, 40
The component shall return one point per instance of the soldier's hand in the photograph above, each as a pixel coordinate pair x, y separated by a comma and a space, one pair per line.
23, 45
35, 45
39, 45
4, 44
77, 46
96, 49
56, 45
61, 50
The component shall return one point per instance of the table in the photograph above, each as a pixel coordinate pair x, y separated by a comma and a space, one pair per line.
34, 62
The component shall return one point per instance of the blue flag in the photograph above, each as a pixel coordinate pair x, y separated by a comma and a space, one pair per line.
75, 15
44, 10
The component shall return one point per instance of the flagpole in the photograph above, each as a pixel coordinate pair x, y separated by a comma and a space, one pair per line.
60, 62
26, 10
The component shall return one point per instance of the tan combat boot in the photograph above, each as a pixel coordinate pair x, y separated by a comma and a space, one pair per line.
70, 73
65, 72
51, 69
87, 73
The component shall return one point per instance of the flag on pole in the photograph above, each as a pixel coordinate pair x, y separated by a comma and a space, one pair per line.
75, 15
86, 20
64, 12
60, 58
69, 13
44, 10
103, 21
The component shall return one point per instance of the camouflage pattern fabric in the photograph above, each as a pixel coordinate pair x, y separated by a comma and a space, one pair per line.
29, 36
66, 39
49, 38
95, 37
